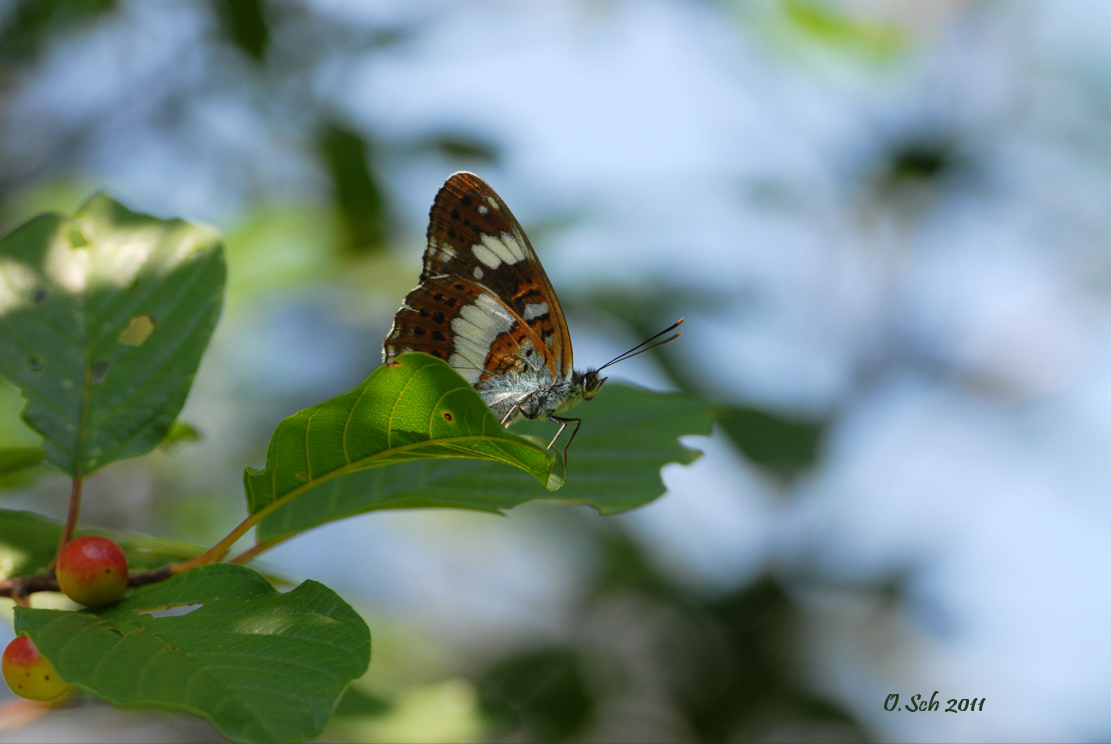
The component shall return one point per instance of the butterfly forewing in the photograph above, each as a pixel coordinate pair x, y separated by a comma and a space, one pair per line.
484, 303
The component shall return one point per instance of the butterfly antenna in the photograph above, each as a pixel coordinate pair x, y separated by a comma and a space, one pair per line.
647, 344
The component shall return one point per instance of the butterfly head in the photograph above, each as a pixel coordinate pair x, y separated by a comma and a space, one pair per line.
591, 383
585, 385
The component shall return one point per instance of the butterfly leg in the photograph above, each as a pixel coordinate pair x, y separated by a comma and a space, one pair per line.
519, 407
563, 425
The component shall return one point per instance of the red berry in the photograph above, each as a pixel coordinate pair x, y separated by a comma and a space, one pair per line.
92, 570
28, 673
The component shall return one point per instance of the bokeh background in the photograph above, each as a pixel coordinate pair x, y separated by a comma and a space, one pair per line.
886, 223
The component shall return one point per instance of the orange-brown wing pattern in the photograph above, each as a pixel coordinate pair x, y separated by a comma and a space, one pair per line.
484, 303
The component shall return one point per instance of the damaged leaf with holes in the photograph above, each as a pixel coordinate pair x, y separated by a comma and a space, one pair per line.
628, 435
104, 317
218, 642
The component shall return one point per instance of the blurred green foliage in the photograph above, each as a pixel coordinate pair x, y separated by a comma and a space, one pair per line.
782, 444
244, 22
542, 691
358, 197
726, 666
33, 24
824, 23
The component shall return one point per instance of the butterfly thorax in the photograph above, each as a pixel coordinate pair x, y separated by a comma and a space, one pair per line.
534, 394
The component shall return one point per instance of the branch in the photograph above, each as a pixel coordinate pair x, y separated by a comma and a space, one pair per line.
20, 587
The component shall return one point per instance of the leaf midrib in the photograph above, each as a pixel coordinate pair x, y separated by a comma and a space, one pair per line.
353, 466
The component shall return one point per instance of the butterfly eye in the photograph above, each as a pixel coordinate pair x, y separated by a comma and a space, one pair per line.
591, 384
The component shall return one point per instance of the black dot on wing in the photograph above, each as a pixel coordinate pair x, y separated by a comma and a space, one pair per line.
438, 336
438, 317
451, 302
459, 286
465, 200
455, 213
438, 297
418, 331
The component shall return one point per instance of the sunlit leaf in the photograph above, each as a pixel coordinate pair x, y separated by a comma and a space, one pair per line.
824, 23
627, 435
419, 408
103, 321
260, 665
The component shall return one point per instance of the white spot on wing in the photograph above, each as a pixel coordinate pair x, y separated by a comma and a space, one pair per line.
505, 246
466, 369
492, 202
476, 327
483, 210
478, 272
535, 310
485, 255
470, 351
440, 250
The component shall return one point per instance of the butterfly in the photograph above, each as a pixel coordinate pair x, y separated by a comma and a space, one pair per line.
485, 306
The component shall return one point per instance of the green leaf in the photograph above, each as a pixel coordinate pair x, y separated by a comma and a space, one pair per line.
627, 435
103, 321
417, 408
15, 459
260, 665
28, 543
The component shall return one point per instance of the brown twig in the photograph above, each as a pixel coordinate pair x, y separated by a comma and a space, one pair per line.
20, 587
217, 552
250, 553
